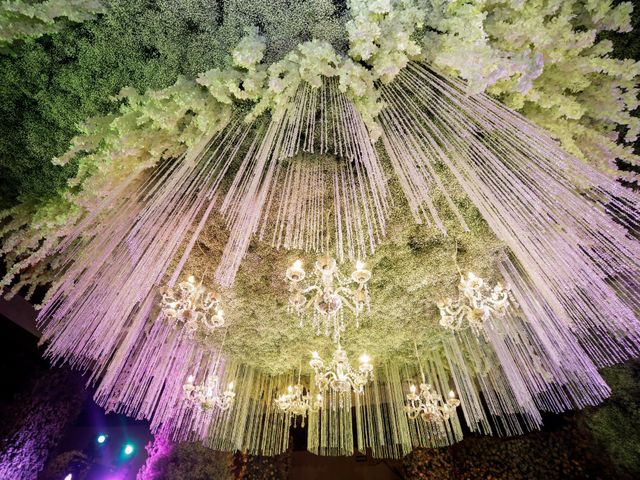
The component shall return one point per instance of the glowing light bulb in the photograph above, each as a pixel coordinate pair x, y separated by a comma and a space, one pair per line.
190, 379
191, 279
315, 355
231, 386
69, 476
290, 389
319, 397
128, 449
359, 265
297, 264
101, 438
452, 394
364, 358
412, 388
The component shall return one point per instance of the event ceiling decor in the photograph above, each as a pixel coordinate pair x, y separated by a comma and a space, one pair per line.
371, 154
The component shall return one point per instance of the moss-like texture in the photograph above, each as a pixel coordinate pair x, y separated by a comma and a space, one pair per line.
50, 86
614, 424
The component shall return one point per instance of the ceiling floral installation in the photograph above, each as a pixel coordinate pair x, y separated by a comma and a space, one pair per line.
170, 257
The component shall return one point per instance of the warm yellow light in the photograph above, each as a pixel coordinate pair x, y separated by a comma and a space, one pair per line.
290, 389
191, 279
297, 264
359, 265
412, 388
231, 386
315, 355
364, 358
452, 394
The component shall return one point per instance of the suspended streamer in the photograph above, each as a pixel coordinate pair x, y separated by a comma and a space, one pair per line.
102, 314
268, 185
568, 225
376, 420
316, 203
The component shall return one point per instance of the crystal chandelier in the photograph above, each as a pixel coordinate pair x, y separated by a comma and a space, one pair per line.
324, 298
193, 306
339, 375
429, 405
298, 403
475, 304
208, 396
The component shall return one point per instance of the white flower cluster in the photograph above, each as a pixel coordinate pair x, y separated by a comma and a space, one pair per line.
546, 59
246, 81
380, 35
380, 46
457, 39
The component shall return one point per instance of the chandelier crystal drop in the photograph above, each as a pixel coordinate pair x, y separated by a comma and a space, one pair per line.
208, 396
323, 299
193, 306
338, 375
475, 304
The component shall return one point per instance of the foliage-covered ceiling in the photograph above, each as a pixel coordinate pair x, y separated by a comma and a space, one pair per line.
124, 124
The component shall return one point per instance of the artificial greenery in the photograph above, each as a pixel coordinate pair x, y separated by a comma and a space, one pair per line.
162, 124
567, 452
614, 424
36, 420
193, 461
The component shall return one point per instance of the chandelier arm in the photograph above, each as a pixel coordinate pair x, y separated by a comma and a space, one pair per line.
345, 289
348, 304
310, 289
